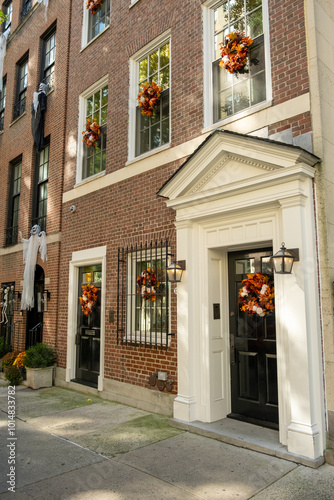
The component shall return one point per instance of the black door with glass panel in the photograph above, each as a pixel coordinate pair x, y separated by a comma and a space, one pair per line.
88, 325
254, 395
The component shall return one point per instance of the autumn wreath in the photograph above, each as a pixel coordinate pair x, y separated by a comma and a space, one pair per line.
147, 283
91, 134
256, 295
88, 299
234, 52
93, 5
149, 97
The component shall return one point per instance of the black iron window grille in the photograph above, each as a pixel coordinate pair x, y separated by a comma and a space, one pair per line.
143, 296
26, 7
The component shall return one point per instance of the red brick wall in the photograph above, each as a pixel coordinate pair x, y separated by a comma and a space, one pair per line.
16, 139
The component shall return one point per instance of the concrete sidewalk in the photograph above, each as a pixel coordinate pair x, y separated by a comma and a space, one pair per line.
74, 446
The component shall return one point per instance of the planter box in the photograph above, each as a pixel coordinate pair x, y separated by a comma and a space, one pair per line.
39, 377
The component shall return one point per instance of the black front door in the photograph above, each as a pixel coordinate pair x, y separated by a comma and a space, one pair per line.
88, 325
254, 395
34, 325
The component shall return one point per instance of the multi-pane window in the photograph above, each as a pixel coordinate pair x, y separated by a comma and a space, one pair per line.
8, 10
143, 295
153, 131
14, 203
22, 84
99, 21
2, 104
94, 157
49, 54
236, 92
26, 7
41, 190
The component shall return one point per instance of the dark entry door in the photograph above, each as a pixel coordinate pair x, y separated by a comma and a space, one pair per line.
252, 345
88, 326
34, 325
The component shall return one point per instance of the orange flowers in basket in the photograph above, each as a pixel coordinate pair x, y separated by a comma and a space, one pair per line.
88, 299
256, 296
148, 98
234, 52
93, 5
91, 134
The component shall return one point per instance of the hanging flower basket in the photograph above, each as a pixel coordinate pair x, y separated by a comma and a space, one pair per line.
93, 6
256, 296
88, 299
91, 134
234, 52
149, 98
147, 283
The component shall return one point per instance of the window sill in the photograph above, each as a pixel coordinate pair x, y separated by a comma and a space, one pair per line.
90, 178
95, 38
18, 118
133, 3
148, 154
237, 116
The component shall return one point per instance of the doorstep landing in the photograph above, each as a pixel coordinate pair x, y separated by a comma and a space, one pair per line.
245, 435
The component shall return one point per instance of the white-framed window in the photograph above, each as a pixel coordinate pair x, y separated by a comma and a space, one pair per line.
95, 24
93, 103
151, 64
144, 295
228, 94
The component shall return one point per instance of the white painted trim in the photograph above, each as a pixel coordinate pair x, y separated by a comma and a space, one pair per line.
81, 126
160, 158
87, 257
84, 33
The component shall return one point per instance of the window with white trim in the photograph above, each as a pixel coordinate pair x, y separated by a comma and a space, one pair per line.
93, 103
234, 93
151, 65
94, 24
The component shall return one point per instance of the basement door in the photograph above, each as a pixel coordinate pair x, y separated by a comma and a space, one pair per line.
254, 395
88, 326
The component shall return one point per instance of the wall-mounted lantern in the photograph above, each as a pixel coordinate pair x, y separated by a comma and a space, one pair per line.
175, 271
283, 260
42, 300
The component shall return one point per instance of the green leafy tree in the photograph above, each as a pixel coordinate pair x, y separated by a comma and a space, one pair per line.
3, 17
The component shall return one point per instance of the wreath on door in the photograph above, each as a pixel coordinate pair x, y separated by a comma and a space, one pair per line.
256, 295
88, 299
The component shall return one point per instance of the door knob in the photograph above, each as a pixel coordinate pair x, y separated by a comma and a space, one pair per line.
232, 314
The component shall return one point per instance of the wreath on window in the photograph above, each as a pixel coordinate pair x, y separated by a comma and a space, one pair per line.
147, 283
93, 5
256, 295
234, 52
91, 134
88, 299
149, 98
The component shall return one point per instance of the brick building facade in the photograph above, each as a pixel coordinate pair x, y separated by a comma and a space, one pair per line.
223, 172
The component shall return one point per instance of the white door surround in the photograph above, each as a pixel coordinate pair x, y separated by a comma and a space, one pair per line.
238, 192
82, 258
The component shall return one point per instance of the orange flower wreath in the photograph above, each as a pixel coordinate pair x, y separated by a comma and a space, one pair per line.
148, 283
91, 134
88, 299
93, 5
256, 296
148, 98
234, 52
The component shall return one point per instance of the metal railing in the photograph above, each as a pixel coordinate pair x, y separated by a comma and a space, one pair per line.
35, 335
9, 332
40, 221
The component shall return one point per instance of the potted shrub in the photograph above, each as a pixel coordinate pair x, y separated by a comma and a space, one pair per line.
12, 373
39, 360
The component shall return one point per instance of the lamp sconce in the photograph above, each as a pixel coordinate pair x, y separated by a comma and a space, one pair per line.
17, 301
283, 259
175, 271
42, 300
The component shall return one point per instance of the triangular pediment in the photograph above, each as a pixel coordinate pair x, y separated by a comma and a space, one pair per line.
228, 159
